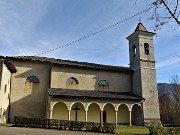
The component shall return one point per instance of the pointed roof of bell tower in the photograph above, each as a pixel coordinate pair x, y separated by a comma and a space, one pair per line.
140, 27
140, 30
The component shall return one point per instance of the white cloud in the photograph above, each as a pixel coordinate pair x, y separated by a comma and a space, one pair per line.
17, 21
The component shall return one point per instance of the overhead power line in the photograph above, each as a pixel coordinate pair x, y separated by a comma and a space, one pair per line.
95, 32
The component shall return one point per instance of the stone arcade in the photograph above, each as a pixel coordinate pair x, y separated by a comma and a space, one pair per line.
60, 89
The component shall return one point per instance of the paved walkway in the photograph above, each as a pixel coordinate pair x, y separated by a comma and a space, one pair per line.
37, 131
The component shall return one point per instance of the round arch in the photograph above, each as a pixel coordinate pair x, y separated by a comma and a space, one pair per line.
52, 106
75, 103
77, 111
123, 114
109, 114
123, 104
137, 115
93, 114
60, 111
93, 103
106, 104
136, 104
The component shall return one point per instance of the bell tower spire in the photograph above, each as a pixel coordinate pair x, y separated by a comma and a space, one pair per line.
142, 62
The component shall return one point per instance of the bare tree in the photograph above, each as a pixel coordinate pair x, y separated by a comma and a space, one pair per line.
176, 97
166, 109
170, 103
165, 11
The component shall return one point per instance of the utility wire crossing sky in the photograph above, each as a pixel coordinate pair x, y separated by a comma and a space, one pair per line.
93, 34
36, 27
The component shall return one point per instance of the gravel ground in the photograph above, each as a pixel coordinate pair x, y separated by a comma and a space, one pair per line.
37, 131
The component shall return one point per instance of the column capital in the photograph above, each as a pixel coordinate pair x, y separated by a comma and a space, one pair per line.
130, 110
50, 109
86, 108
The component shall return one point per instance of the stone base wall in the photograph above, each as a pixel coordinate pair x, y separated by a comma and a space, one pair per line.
151, 122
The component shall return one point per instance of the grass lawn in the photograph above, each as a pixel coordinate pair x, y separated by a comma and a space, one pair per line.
6, 125
126, 130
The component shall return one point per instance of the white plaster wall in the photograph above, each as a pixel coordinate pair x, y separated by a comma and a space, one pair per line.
29, 99
123, 115
4, 98
60, 111
93, 113
88, 78
110, 113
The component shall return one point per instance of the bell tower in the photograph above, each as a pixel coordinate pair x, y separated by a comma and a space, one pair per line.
142, 62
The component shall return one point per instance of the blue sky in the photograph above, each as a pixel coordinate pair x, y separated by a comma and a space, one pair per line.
29, 27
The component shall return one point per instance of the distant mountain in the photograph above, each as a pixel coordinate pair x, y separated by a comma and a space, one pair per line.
165, 88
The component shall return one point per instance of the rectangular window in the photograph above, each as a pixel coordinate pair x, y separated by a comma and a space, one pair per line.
5, 88
4, 113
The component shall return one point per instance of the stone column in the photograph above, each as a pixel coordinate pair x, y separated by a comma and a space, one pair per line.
69, 115
50, 113
116, 117
86, 115
101, 117
130, 124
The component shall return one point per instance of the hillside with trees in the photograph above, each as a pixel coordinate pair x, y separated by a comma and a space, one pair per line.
169, 102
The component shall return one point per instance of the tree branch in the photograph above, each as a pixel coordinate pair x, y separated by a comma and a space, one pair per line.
173, 15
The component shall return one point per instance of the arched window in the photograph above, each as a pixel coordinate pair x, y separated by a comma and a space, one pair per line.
146, 48
72, 80
134, 50
103, 85
32, 79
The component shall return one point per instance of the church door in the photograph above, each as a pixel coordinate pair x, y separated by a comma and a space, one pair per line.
104, 116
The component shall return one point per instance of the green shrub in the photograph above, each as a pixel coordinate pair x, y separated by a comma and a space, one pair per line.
76, 125
164, 130
20, 121
53, 124
93, 127
108, 128
63, 124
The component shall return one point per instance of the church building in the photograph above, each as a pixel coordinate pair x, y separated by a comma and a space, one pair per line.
40, 87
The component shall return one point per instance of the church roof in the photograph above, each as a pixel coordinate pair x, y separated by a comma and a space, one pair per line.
72, 63
92, 94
